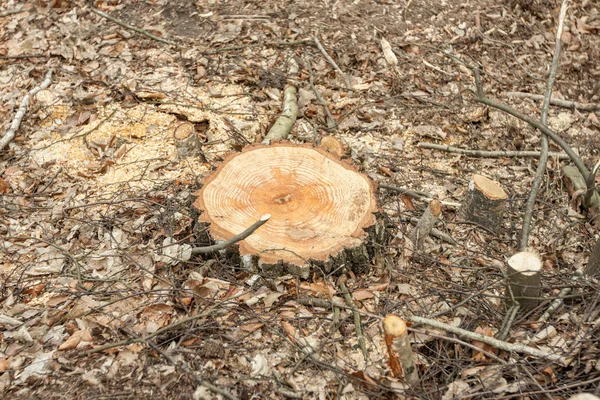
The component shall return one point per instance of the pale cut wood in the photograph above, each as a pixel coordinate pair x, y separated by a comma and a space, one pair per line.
523, 280
333, 145
320, 207
402, 359
484, 204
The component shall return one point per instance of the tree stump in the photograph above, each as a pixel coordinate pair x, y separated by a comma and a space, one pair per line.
593, 266
523, 274
484, 204
322, 209
187, 142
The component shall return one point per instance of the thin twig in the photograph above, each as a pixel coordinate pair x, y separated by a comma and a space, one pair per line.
488, 154
331, 123
357, 323
330, 60
507, 323
235, 239
252, 45
499, 344
534, 123
435, 232
541, 169
163, 329
16, 122
573, 105
191, 373
461, 342
12, 12
133, 28
49, 182
417, 195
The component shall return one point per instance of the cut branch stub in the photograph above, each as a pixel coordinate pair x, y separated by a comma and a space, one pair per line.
484, 204
319, 205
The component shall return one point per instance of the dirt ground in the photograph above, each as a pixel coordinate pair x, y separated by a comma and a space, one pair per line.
95, 201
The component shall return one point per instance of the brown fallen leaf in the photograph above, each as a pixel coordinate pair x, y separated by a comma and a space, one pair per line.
408, 203
3, 364
76, 338
252, 327
362, 294
478, 355
3, 186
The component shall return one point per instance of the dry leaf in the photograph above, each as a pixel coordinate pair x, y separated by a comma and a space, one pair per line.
3, 364
252, 327
3, 186
362, 294
388, 53
477, 355
408, 203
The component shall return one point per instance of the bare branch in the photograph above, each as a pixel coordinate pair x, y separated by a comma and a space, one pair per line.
16, 122
235, 239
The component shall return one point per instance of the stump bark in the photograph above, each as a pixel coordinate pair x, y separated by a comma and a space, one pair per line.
187, 142
592, 268
523, 274
484, 203
322, 209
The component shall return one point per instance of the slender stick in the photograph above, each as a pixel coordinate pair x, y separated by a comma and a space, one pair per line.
541, 169
133, 28
573, 105
357, 323
16, 122
235, 239
499, 344
417, 195
488, 154
328, 57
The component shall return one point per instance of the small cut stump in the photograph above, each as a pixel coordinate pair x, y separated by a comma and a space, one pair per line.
322, 209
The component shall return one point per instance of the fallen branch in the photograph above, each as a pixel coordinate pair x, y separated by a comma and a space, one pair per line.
536, 124
16, 122
573, 105
220, 246
489, 154
541, 169
284, 123
498, 344
330, 60
133, 28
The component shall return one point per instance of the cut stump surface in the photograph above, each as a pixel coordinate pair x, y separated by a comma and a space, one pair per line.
319, 205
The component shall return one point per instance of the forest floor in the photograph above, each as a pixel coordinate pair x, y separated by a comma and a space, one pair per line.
95, 200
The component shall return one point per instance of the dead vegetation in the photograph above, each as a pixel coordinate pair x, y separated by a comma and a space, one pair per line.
104, 293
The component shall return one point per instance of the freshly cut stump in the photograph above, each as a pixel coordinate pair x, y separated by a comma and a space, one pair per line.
320, 207
524, 273
484, 204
